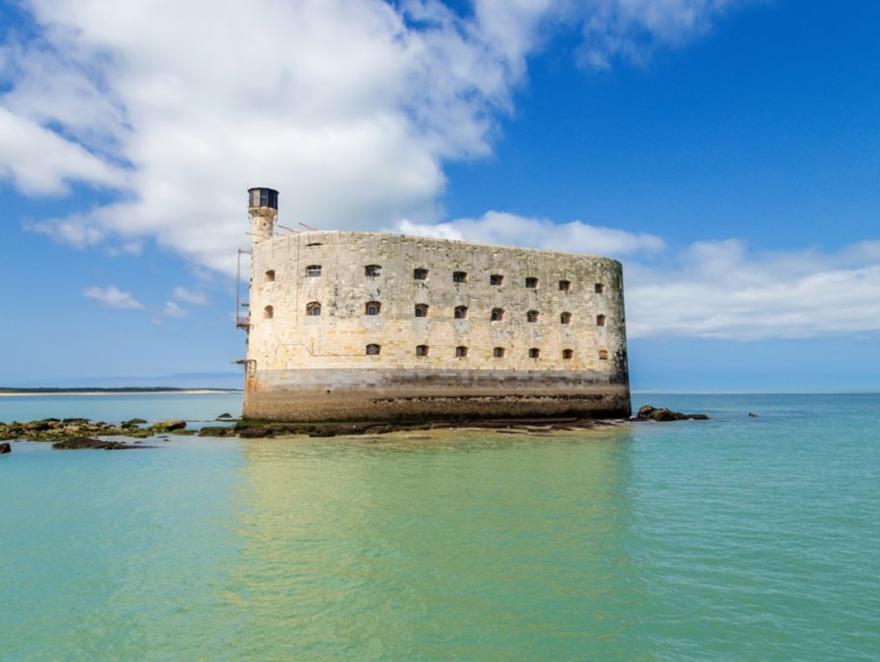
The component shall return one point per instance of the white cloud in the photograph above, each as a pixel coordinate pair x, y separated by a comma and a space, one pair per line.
39, 160
349, 107
172, 309
190, 296
631, 30
113, 297
496, 227
721, 290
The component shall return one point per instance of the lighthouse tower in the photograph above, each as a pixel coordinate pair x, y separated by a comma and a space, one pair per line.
263, 210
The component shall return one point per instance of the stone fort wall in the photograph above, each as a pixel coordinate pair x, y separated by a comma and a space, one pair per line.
361, 326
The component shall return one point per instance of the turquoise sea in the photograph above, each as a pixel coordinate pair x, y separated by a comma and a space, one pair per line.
734, 539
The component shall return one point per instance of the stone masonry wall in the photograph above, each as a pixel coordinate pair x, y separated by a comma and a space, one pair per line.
315, 367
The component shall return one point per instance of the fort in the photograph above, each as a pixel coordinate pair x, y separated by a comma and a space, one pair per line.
360, 326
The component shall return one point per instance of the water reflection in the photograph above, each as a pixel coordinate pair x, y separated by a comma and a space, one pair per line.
439, 544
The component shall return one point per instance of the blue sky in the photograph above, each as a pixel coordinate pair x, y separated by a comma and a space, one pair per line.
727, 152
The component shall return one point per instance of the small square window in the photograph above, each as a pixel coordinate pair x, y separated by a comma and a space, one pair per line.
460, 312
270, 275
534, 353
420, 274
421, 310
498, 352
603, 354
373, 349
567, 354
600, 288
496, 279
461, 352
564, 285
421, 350
372, 270
531, 283
459, 277
313, 270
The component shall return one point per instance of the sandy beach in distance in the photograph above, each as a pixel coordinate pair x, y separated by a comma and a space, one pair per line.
195, 391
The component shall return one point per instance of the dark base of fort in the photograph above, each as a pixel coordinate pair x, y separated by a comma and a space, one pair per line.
290, 397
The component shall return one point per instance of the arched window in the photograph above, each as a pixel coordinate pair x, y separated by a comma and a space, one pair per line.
421, 350
373, 308
564, 285
313, 309
534, 353
461, 352
498, 352
372, 270
600, 288
420, 274
373, 349
460, 312
531, 282
270, 275
268, 312
603, 354
532, 316
497, 314
496, 279
459, 276
313, 270
421, 310
565, 318
600, 320
567, 354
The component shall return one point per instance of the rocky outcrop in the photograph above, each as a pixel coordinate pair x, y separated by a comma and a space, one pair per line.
5, 448
169, 426
53, 429
75, 443
663, 415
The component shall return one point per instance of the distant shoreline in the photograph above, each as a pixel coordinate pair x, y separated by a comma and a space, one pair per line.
18, 393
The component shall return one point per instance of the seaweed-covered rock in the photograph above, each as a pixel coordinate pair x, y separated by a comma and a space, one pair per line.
5, 448
664, 415
168, 426
255, 433
75, 443
216, 431
133, 422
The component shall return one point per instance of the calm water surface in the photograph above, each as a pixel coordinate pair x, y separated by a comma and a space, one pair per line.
737, 538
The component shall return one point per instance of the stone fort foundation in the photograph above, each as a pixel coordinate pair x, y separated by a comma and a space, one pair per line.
356, 326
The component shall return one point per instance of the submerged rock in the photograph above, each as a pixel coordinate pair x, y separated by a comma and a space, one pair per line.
664, 415
75, 443
225, 416
5, 448
216, 431
133, 422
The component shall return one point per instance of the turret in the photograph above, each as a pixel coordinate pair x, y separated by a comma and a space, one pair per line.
263, 210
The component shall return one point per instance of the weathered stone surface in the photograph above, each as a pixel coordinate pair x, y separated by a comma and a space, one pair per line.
5, 448
315, 367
